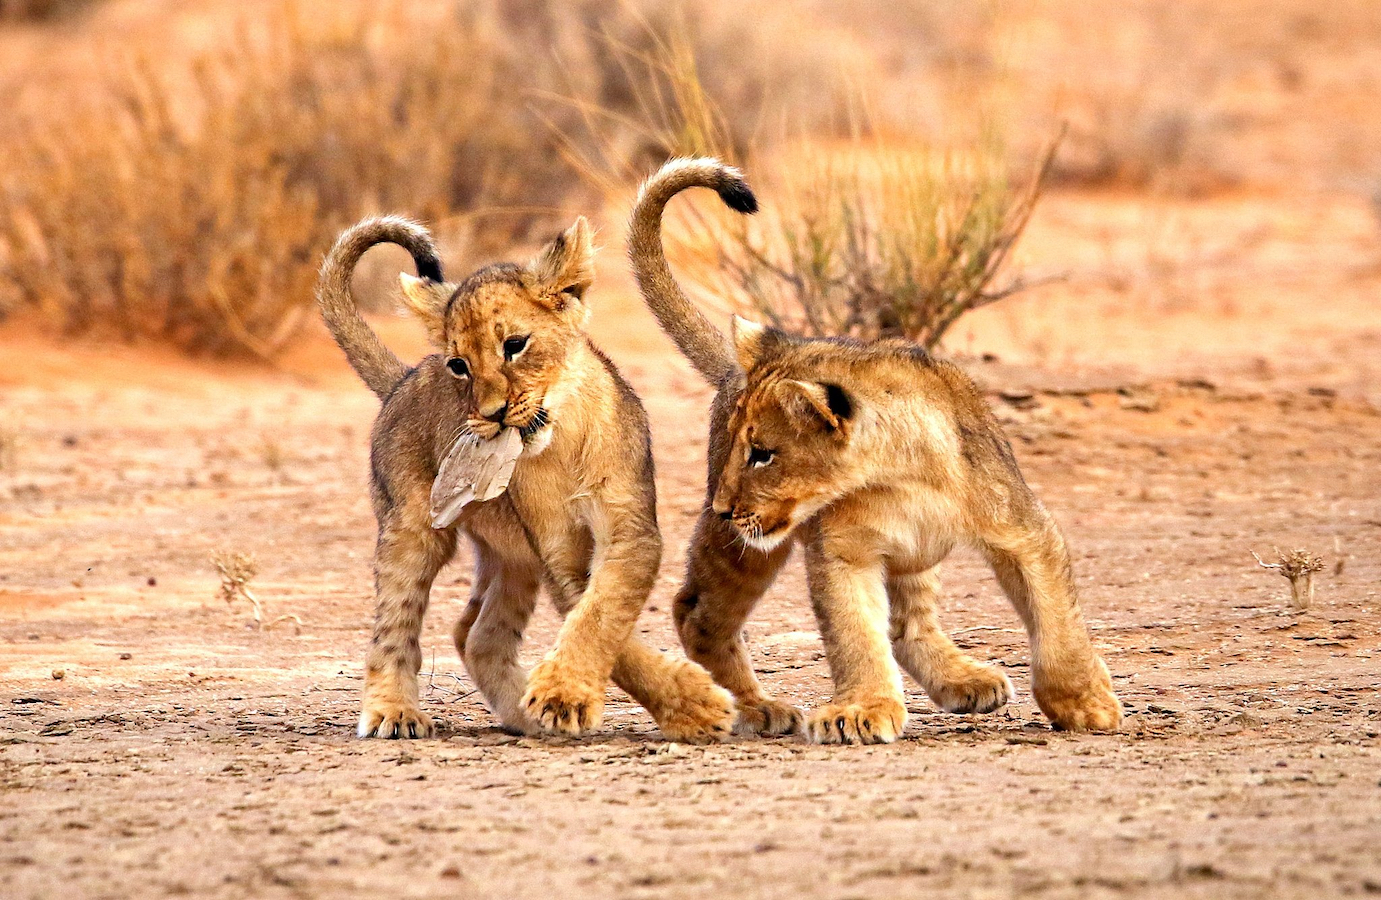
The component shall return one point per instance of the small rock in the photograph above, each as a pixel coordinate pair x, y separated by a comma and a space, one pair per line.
1027, 739
1140, 402
59, 674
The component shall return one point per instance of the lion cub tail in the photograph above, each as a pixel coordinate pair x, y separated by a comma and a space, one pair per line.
376, 365
702, 343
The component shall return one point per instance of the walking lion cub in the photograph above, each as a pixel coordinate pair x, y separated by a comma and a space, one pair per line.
579, 515
882, 459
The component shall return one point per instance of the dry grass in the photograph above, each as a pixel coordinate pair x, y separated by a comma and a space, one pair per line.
9, 450
872, 236
236, 571
193, 205
874, 241
190, 202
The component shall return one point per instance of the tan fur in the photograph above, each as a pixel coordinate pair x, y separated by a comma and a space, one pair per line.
881, 460
579, 516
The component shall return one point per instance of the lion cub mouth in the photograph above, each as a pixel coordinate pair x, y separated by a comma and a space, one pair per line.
541, 419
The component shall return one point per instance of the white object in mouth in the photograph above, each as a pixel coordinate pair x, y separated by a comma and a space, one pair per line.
473, 471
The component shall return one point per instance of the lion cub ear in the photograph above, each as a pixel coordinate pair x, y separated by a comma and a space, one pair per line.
754, 342
427, 300
565, 269
823, 403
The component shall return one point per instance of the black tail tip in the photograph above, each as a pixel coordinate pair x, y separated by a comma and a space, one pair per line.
738, 196
428, 267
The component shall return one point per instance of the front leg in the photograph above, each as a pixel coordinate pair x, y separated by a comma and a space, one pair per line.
681, 696
408, 556
848, 591
725, 579
565, 692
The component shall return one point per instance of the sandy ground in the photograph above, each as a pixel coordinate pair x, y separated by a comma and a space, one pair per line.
152, 743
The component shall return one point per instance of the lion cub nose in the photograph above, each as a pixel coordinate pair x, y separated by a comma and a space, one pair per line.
496, 415
725, 514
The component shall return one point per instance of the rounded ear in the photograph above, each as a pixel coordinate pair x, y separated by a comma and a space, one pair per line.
427, 300
821, 403
565, 268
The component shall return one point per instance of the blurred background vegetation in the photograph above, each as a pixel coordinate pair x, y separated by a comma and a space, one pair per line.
175, 171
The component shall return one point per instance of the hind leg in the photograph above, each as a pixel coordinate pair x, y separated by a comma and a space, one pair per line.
1069, 680
408, 556
489, 632
724, 581
955, 681
491, 646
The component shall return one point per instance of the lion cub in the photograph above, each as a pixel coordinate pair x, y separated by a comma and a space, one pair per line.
579, 515
882, 459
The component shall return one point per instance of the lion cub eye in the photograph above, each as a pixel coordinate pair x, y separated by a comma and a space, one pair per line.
758, 457
514, 345
459, 367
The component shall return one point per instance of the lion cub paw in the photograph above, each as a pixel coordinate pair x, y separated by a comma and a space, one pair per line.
769, 717
562, 703
976, 689
878, 721
1087, 704
697, 710
384, 718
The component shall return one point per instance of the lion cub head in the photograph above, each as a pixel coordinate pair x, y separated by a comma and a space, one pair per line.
507, 333
791, 433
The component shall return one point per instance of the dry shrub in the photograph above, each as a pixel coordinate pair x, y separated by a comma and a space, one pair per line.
193, 205
878, 235
874, 241
191, 201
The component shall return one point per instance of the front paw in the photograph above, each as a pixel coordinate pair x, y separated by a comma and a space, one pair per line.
975, 688
769, 717
1082, 703
873, 721
562, 703
696, 710
393, 718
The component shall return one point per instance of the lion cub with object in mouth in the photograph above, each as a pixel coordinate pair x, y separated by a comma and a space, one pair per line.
882, 459
579, 514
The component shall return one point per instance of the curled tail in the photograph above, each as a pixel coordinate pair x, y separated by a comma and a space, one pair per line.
376, 365
702, 343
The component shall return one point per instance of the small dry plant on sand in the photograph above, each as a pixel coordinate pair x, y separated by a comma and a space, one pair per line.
1298, 566
872, 235
237, 570
9, 450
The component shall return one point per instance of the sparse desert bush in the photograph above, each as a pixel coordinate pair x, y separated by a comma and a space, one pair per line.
191, 201
874, 241
193, 205
870, 236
